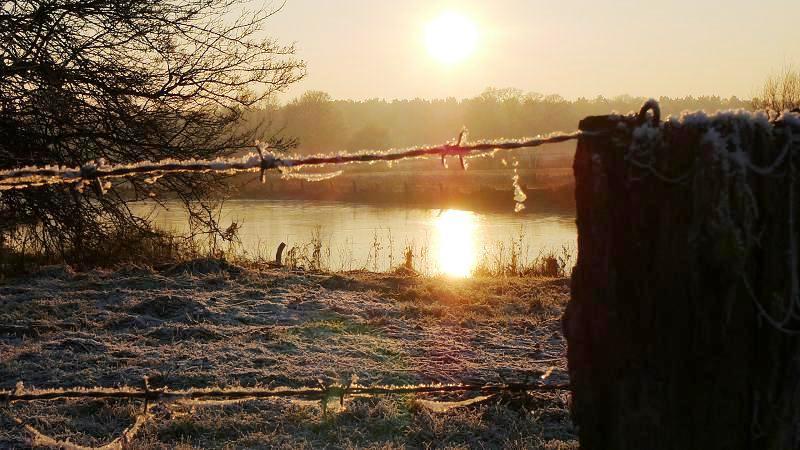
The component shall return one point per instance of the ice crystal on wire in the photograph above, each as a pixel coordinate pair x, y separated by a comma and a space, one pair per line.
519, 195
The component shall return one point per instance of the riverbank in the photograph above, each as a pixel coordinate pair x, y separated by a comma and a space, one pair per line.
208, 323
547, 189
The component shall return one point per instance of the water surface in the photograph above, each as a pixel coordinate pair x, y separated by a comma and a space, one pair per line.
353, 237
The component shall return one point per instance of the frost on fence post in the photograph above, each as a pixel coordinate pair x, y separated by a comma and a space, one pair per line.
685, 312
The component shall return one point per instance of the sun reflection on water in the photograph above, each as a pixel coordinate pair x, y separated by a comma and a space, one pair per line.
456, 241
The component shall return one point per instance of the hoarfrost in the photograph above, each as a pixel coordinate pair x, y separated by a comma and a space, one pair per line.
311, 177
261, 160
719, 180
519, 195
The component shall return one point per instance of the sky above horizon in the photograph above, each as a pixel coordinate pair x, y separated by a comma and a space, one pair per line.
360, 49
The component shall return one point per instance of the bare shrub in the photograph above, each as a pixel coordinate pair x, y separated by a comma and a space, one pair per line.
781, 92
140, 80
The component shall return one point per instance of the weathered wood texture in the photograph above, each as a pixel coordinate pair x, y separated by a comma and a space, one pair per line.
668, 349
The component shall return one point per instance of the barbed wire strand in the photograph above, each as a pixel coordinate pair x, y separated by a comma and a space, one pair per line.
305, 393
210, 397
262, 160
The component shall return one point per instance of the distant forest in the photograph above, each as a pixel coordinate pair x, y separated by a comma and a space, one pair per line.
321, 124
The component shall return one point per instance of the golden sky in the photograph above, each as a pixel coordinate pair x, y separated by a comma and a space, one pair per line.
381, 48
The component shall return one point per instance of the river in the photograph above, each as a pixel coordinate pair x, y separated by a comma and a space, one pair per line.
349, 236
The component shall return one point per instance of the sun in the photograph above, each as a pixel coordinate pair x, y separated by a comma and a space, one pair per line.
451, 38
456, 234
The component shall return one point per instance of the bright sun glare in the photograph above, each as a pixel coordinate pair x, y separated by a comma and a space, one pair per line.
451, 38
456, 235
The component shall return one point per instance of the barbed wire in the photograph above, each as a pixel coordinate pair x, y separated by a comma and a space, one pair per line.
262, 160
483, 390
305, 393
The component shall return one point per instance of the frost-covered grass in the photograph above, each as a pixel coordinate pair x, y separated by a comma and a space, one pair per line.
207, 322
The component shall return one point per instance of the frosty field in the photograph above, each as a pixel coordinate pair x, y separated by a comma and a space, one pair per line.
206, 323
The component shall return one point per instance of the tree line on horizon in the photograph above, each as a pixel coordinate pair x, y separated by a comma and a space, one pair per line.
319, 124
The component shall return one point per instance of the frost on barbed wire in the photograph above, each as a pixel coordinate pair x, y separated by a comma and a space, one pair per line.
164, 394
263, 160
310, 177
206, 397
718, 171
519, 195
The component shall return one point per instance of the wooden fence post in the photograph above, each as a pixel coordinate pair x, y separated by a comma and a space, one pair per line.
682, 327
